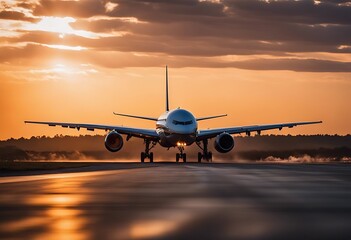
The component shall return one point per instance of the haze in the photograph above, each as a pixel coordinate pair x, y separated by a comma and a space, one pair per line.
258, 61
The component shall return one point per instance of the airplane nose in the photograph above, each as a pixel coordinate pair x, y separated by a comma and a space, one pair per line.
189, 129
182, 122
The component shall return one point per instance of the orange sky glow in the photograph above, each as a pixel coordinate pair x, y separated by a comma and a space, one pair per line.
78, 61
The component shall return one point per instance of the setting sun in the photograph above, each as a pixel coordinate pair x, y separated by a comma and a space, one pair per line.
55, 24
59, 25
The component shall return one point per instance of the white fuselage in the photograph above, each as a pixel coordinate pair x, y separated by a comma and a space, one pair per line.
176, 128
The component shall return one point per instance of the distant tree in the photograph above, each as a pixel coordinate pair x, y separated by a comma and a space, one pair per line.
10, 153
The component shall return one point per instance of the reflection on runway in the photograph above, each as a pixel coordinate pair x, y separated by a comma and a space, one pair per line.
64, 220
217, 201
54, 206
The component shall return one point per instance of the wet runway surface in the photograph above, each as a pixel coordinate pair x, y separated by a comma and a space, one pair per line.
180, 201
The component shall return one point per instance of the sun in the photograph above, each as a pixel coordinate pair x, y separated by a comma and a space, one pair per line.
60, 25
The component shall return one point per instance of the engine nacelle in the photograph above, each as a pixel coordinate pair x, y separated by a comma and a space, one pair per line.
224, 143
113, 141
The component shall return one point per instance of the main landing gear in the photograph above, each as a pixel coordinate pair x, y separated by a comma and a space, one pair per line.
205, 155
147, 153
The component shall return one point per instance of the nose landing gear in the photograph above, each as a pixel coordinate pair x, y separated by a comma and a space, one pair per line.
181, 155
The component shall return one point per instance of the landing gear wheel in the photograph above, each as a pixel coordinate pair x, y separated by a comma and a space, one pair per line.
180, 156
205, 155
210, 156
199, 157
142, 157
147, 153
151, 156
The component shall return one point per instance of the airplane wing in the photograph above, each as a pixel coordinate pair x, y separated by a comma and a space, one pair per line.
211, 133
135, 132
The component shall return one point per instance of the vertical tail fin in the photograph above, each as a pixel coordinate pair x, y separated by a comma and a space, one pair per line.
167, 102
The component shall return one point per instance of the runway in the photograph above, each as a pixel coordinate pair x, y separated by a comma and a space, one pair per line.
180, 201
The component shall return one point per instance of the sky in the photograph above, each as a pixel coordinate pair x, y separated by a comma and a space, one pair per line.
258, 61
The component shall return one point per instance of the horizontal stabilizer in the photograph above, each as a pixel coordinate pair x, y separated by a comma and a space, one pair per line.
210, 117
133, 116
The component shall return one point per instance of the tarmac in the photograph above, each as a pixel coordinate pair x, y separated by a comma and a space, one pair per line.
179, 201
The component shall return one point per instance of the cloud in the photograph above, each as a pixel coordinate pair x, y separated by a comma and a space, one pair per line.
33, 54
14, 15
80, 9
304, 12
196, 33
18, 10
301, 65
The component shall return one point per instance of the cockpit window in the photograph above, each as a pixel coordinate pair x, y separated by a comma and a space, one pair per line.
175, 122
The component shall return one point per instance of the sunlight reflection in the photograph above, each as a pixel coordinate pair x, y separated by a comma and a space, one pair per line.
62, 218
65, 224
151, 229
54, 211
56, 200
14, 226
163, 222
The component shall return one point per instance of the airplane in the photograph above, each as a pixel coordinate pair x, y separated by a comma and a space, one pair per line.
175, 128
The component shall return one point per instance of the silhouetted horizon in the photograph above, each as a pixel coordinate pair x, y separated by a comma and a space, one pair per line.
264, 147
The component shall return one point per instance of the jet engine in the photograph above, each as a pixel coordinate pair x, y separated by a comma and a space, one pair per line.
224, 143
113, 141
